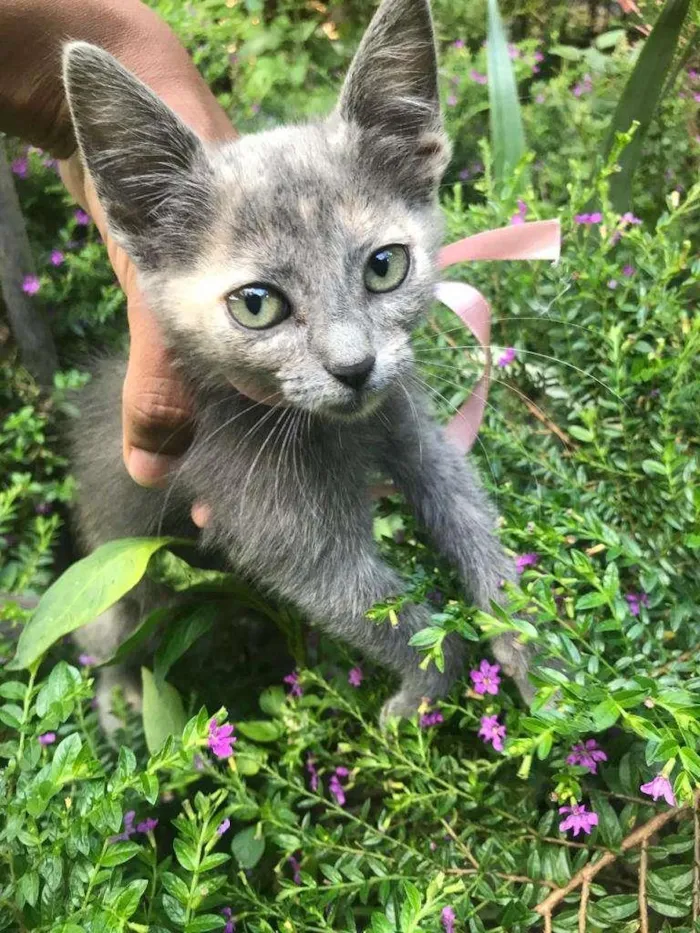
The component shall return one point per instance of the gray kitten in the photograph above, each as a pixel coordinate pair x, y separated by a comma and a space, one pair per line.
287, 270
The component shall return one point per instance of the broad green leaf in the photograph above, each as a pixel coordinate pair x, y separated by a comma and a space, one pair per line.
119, 852
64, 758
141, 634
163, 712
204, 923
247, 848
263, 730
179, 637
128, 901
185, 854
641, 96
83, 592
507, 135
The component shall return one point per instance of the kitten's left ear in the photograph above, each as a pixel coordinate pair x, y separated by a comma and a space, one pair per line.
391, 90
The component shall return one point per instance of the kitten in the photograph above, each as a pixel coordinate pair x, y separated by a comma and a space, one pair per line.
287, 270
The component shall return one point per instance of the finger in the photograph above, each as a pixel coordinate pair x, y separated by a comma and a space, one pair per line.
156, 408
201, 514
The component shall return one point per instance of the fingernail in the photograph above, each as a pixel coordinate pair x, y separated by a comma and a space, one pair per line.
148, 469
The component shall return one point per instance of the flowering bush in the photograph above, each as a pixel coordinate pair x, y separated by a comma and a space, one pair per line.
294, 811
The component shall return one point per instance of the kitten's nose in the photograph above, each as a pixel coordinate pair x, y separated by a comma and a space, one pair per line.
355, 374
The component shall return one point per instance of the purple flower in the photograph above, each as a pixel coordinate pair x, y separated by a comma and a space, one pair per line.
596, 217
31, 284
81, 218
612, 284
539, 57
486, 679
147, 825
50, 162
492, 731
513, 51
578, 820
294, 685
587, 755
540, 99
48, 738
447, 918
128, 830
660, 787
43, 508
20, 167
459, 43
227, 913
452, 101
636, 601
628, 271
519, 218
583, 87
478, 77
696, 97
507, 357
693, 74
313, 773
223, 826
588, 219
355, 676
57, 257
296, 869
87, 660
221, 739
428, 720
629, 218
526, 560
335, 787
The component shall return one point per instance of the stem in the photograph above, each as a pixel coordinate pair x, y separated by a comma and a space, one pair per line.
195, 875
25, 707
88, 892
643, 867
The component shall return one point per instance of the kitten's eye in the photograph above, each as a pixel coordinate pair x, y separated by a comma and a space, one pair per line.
387, 268
257, 306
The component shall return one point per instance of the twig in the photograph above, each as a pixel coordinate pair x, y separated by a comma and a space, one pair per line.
548, 922
583, 907
696, 862
643, 867
588, 872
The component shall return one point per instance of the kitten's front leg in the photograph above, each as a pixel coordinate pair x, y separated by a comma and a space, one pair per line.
449, 501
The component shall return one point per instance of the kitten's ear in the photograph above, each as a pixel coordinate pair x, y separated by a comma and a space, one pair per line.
392, 87
149, 169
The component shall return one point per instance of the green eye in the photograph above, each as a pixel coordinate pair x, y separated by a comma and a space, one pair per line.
387, 268
257, 306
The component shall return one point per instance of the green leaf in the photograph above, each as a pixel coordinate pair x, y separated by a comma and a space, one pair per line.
507, 135
119, 852
691, 761
608, 40
568, 52
140, 634
273, 701
247, 847
128, 901
176, 887
185, 855
13, 690
204, 923
605, 714
83, 592
263, 730
641, 96
653, 467
180, 636
591, 601
163, 712
64, 758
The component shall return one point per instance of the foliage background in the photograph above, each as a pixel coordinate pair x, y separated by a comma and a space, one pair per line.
590, 450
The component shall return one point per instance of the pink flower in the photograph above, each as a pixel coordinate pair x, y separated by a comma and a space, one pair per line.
636, 601
587, 755
227, 914
628, 271
660, 787
31, 285
578, 820
513, 51
335, 787
612, 284
81, 218
451, 101
221, 739
48, 738
56, 257
478, 77
526, 560
223, 826
629, 218
428, 720
20, 167
540, 99
458, 43
294, 685
355, 676
696, 97
87, 660
519, 218
539, 57
492, 731
486, 679
583, 87
147, 826
507, 357
313, 773
447, 918
588, 219
596, 217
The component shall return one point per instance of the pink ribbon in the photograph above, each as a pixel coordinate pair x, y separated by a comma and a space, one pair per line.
540, 239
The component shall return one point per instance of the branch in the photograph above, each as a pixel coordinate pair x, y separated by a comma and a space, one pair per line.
643, 868
588, 872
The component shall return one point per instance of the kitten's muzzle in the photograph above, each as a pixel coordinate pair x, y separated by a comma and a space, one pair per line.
353, 375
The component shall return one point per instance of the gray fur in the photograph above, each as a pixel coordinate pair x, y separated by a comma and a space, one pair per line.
283, 451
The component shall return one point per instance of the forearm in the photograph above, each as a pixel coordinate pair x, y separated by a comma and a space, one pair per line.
32, 102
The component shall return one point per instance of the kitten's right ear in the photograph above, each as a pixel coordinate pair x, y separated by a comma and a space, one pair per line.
149, 169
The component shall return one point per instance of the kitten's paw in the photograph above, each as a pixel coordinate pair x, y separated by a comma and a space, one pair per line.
402, 705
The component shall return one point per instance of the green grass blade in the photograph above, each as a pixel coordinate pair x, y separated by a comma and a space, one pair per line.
641, 96
507, 135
